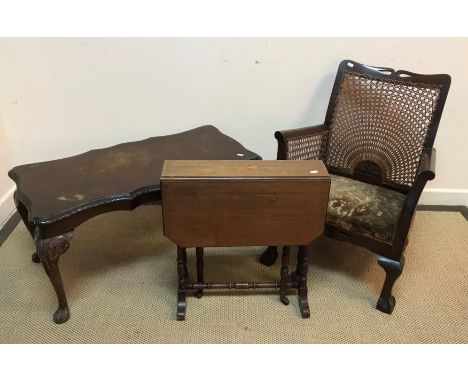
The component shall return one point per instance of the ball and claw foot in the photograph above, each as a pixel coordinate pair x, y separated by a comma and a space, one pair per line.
61, 315
386, 305
35, 258
284, 300
199, 293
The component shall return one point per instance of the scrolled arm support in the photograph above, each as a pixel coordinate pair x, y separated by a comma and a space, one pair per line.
427, 165
426, 171
310, 139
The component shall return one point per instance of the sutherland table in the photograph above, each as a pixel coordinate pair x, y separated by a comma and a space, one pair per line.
238, 203
55, 197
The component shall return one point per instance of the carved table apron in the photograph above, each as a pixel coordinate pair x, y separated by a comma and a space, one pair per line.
54, 197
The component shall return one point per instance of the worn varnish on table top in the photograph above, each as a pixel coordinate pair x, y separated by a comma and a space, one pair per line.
57, 189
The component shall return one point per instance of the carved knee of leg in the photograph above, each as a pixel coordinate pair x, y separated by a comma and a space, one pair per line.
393, 270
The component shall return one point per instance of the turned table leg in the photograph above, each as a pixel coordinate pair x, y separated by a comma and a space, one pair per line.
200, 265
284, 275
182, 273
49, 251
301, 274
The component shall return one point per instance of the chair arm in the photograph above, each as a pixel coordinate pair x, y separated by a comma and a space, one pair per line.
427, 165
426, 171
302, 143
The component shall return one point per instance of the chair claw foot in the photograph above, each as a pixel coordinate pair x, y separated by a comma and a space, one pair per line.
284, 300
386, 305
35, 258
61, 315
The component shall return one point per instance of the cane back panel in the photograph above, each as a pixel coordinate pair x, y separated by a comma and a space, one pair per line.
379, 124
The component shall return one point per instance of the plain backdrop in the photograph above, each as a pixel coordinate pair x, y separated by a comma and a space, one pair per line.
62, 96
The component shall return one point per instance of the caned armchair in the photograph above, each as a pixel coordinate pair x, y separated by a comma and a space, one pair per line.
377, 144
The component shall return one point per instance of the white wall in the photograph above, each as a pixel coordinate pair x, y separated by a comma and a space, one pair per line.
59, 97
6, 188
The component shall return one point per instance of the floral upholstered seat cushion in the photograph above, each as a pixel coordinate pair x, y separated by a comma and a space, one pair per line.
363, 208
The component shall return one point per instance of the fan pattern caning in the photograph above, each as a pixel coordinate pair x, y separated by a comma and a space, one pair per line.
381, 121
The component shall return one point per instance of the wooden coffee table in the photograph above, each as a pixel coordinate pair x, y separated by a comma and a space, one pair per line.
231, 203
55, 197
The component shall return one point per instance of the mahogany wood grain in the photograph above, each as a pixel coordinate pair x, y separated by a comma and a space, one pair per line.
221, 203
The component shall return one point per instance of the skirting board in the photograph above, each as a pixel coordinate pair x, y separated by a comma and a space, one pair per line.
444, 197
7, 206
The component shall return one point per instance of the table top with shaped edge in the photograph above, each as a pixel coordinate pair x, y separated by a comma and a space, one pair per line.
120, 177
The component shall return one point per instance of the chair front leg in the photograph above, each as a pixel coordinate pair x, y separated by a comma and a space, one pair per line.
392, 270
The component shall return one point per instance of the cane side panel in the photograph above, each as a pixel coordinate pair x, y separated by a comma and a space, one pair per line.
307, 146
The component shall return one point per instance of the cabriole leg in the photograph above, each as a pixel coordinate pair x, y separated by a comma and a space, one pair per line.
392, 270
49, 251
182, 273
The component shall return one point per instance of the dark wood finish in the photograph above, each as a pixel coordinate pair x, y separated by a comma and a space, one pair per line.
55, 197
225, 203
284, 275
315, 144
61, 194
200, 265
241, 285
247, 206
393, 269
49, 251
301, 276
35, 258
182, 289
